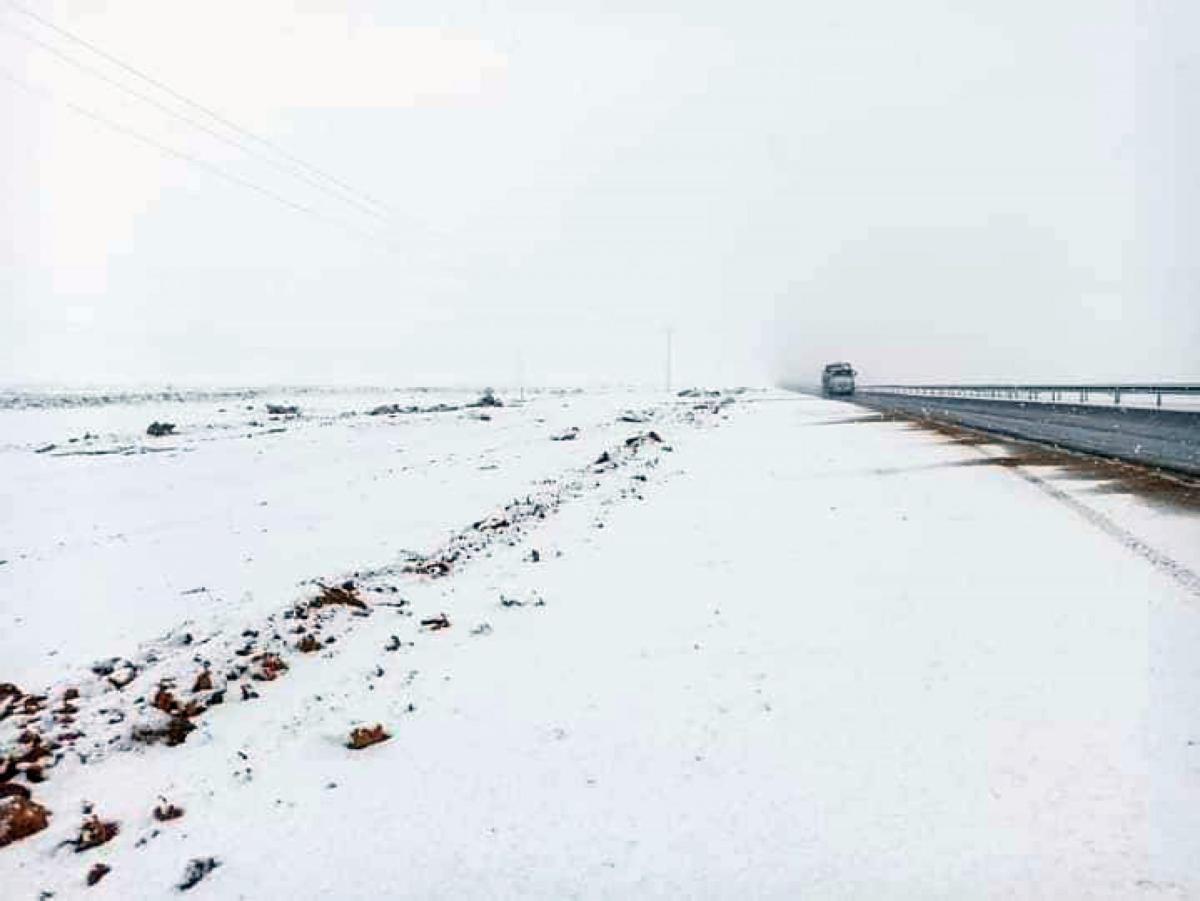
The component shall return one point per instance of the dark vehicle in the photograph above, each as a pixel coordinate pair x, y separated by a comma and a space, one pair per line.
838, 380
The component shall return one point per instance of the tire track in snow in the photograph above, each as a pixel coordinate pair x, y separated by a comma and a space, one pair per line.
1184, 575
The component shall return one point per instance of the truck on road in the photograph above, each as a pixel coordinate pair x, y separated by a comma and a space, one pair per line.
837, 380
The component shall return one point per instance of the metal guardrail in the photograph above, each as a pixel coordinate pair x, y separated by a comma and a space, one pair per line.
1082, 394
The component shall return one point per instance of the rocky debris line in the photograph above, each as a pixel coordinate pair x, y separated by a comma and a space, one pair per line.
19, 400
511, 523
697, 392
283, 410
569, 435
158, 429
182, 681
397, 409
507, 525
488, 399
28, 757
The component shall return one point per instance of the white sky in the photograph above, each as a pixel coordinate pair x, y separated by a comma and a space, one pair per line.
939, 190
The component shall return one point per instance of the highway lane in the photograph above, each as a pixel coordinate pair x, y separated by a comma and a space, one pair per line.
1168, 439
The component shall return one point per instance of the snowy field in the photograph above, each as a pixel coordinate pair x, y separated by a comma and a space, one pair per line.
753, 644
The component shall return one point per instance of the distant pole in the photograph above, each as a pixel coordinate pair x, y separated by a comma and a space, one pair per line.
670, 335
521, 374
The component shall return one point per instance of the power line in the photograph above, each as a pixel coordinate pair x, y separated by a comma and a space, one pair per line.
145, 98
196, 161
197, 106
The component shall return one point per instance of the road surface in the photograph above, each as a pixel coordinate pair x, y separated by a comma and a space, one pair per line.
1169, 439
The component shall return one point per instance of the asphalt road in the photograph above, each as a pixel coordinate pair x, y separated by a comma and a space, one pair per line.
1168, 439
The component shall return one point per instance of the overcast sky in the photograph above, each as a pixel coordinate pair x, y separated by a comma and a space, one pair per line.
932, 190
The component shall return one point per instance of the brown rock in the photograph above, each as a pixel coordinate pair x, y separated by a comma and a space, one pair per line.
95, 832
21, 817
308, 644
270, 667
164, 701
364, 737
345, 595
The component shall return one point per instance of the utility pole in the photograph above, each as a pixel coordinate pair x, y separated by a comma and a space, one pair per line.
670, 335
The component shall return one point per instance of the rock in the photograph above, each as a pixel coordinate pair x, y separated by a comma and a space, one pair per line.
283, 410
488, 399
197, 869
170, 729
308, 645
435, 623
20, 818
345, 595
95, 832
164, 700
391, 410
122, 674
636, 441
158, 429
271, 666
363, 737
569, 435
97, 872
434, 567
10, 697
166, 811
493, 522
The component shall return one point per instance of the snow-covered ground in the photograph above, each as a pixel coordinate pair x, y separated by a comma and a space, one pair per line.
776, 648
